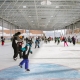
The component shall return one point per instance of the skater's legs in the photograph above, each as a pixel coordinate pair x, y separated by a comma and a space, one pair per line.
38, 46
14, 52
22, 62
2, 43
26, 63
20, 54
66, 43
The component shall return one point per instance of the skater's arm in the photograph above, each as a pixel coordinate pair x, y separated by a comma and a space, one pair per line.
27, 49
30, 51
16, 41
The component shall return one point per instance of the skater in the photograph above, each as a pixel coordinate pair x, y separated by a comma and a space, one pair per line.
55, 39
14, 45
73, 40
26, 50
37, 42
65, 41
49, 40
69, 39
58, 40
26, 39
45, 40
2, 40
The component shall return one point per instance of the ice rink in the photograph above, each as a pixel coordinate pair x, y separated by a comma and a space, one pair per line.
49, 62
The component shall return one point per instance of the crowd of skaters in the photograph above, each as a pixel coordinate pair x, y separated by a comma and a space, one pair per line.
47, 39
23, 51
65, 40
18, 41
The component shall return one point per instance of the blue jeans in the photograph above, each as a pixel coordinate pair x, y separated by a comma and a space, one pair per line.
26, 61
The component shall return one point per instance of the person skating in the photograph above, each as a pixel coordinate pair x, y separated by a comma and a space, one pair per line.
14, 45
26, 50
73, 40
45, 40
37, 43
55, 39
49, 39
65, 41
2, 40
58, 40
69, 39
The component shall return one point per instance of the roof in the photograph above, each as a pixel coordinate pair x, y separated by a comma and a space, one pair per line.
40, 14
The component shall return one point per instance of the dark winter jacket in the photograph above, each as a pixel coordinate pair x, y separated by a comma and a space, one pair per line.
26, 50
14, 44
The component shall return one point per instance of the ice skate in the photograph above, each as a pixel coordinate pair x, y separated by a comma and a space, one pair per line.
27, 69
20, 66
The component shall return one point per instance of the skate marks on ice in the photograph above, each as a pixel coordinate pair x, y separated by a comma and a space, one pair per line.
41, 72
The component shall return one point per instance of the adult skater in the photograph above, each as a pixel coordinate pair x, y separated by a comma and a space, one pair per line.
14, 45
55, 39
73, 40
58, 40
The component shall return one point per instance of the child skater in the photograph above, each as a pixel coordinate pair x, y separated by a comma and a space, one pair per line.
37, 43
2, 40
26, 50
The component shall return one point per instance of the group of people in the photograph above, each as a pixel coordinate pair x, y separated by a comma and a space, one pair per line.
17, 42
72, 39
65, 40
48, 39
